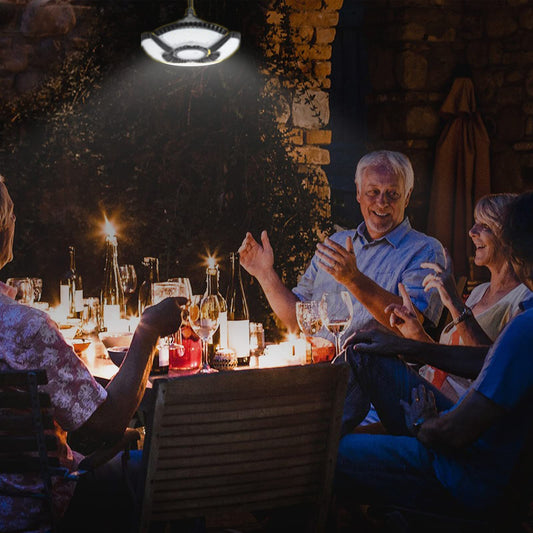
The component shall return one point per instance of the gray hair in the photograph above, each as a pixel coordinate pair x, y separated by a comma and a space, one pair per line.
394, 163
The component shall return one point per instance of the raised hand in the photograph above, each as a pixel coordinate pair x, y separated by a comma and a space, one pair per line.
443, 280
254, 257
337, 260
421, 408
404, 318
377, 341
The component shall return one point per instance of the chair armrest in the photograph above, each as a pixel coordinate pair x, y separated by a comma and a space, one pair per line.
108, 450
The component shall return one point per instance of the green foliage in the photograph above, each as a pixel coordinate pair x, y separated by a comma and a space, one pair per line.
185, 161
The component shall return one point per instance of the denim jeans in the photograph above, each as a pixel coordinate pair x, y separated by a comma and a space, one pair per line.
394, 468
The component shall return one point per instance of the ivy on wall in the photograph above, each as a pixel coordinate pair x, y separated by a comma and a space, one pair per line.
184, 161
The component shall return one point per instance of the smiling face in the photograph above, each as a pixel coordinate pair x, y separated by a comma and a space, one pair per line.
383, 200
488, 247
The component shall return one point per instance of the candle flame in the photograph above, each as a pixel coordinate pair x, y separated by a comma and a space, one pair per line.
210, 260
109, 229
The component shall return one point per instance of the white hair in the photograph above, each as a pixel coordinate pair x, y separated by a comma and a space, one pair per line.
394, 163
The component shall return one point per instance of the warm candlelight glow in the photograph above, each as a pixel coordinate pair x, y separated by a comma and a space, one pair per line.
210, 260
109, 230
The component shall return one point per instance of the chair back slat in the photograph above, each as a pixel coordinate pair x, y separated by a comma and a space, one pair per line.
25, 448
244, 440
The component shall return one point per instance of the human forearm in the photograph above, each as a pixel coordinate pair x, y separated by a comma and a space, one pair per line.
281, 299
374, 297
463, 361
125, 390
469, 329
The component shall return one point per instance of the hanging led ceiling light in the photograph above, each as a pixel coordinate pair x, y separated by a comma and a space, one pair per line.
190, 42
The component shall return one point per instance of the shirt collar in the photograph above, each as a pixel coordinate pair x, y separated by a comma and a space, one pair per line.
527, 304
394, 237
8, 291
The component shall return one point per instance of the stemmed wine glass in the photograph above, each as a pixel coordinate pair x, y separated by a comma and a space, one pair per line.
309, 318
204, 316
128, 279
336, 310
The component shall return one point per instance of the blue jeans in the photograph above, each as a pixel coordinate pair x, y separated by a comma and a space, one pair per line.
394, 468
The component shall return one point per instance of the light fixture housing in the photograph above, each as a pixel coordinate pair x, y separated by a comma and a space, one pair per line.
190, 42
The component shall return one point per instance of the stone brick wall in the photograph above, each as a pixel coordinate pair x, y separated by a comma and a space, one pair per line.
415, 49
302, 32
35, 38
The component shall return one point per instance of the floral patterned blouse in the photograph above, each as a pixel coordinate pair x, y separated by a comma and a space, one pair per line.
30, 339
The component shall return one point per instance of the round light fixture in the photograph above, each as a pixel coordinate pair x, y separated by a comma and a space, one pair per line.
190, 42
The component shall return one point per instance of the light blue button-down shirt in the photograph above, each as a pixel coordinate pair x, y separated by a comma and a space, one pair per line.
394, 258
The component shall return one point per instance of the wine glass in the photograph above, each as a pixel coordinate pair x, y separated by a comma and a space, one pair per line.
183, 287
37, 284
204, 316
128, 279
309, 319
25, 293
336, 310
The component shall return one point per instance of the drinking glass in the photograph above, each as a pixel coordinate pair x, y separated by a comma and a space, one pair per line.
336, 310
183, 287
204, 316
25, 293
90, 316
37, 284
128, 279
309, 317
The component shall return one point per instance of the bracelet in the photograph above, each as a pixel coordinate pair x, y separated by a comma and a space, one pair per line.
466, 313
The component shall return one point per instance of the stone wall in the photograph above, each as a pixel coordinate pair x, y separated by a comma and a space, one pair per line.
417, 47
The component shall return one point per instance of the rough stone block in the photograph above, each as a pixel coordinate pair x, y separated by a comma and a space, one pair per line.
510, 95
318, 137
274, 18
312, 155
296, 136
381, 69
325, 35
510, 123
422, 121
28, 81
322, 69
310, 109
14, 59
411, 70
500, 23
304, 5
314, 52
529, 83
526, 18
334, 4
319, 19
476, 54
42, 20
412, 31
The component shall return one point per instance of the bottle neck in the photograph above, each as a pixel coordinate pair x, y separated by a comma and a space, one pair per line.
212, 281
72, 255
153, 271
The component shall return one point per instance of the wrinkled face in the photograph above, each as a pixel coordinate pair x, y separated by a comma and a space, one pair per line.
488, 248
383, 200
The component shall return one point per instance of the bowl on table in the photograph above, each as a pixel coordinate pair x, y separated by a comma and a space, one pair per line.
79, 345
112, 340
117, 354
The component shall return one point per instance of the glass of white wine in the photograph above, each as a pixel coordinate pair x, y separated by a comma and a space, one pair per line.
308, 317
204, 316
336, 310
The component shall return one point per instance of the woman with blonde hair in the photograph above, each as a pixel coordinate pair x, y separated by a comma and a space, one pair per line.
489, 307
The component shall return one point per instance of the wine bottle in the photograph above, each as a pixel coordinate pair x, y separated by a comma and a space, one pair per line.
68, 286
112, 295
238, 317
219, 339
151, 276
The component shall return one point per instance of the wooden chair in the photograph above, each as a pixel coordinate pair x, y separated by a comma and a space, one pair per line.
24, 445
243, 441
27, 446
